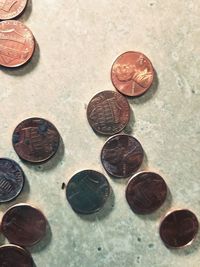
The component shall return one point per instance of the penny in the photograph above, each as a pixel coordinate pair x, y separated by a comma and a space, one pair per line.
179, 228
16, 43
23, 225
11, 180
36, 140
122, 155
87, 191
132, 73
10, 9
146, 192
108, 112
15, 256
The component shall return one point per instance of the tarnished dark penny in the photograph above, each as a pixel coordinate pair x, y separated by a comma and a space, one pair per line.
87, 191
146, 192
179, 228
10, 9
132, 73
11, 180
36, 140
122, 155
108, 112
24, 225
15, 256
17, 43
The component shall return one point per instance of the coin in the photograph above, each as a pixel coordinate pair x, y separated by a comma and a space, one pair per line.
87, 191
16, 43
11, 180
10, 9
146, 192
36, 140
108, 112
122, 155
23, 225
179, 228
15, 256
132, 73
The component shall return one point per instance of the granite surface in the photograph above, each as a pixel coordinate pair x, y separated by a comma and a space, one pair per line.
77, 43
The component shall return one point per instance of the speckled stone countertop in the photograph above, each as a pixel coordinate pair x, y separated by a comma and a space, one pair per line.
77, 44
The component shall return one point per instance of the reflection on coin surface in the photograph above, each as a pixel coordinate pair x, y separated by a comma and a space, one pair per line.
11, 180
179, 228
15, 256
16, 43
146, 192
87, 191
36, 140
122, 155
132, 73
24, 225
108, 112
10, 9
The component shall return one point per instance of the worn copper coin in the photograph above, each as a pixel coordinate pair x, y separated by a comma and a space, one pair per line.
122, 155
15, 256
179, 228
10, 9
87, 191
132, 73
11, 180
146, 192
108, 112
16, 43
24, 225
36, 140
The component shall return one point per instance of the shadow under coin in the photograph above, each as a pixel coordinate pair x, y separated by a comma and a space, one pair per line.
27, 67
104, 212
129, 128
148, 95
51, 163
26, 13
2, 240
44, 243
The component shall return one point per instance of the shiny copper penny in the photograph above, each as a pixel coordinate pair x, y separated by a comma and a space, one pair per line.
87, 191
10, 9
15, 256
132, 73
16, 43
11, 180
146, 192
122, 155
24, 225
108, 112
179, 228
36, 140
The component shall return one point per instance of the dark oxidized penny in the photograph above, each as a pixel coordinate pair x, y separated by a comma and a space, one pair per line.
108, 112
11, 180
146, 192
24, 225
36, 140
15, 256
10, 9
122, 155
179, 228
87, 191
132, 73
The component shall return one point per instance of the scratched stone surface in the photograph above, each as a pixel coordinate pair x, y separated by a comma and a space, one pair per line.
77, 42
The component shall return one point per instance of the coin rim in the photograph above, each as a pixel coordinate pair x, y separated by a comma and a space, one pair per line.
34, 45
30, 206
132, 178
129, 114
191, 241
120, 176
37, 161
16, 15
22, 185
105, 199
153, 71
